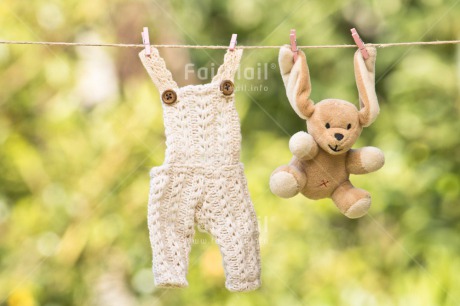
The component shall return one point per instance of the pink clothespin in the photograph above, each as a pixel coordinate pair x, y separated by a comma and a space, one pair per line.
146, 41
233, 42
360, 43
293, 37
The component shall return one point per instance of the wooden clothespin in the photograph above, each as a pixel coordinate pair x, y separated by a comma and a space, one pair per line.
233, 42
294, 49
359, 42
146, 41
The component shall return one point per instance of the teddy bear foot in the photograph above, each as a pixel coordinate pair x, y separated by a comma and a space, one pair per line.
358, 209
284, 184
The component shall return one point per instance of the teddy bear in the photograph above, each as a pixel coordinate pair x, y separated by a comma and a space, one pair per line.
323, 158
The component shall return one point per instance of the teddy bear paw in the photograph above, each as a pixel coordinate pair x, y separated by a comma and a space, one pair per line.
284, 184
303, 146
372, 159
358, 209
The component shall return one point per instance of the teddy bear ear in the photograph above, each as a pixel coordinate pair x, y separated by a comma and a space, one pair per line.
296, 78
365, 80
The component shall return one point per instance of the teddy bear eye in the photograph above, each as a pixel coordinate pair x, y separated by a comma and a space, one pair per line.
328, 125
349, 126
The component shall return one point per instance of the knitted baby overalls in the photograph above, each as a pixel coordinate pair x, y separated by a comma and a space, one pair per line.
201, 180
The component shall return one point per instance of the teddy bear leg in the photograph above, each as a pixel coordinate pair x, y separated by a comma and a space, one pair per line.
352, 202
286, 181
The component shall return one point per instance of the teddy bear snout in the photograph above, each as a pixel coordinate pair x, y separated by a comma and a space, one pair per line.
338, 136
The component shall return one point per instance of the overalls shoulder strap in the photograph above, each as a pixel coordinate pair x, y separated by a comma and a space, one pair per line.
228, 69
156, 68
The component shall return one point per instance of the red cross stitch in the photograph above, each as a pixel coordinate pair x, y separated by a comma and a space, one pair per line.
323, 183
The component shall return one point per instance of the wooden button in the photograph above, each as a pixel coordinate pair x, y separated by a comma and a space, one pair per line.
169, 96
227, 87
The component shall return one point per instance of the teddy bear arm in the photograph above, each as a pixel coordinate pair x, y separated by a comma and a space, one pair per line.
303, 146
365, 160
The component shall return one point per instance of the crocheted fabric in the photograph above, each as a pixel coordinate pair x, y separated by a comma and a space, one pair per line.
201, 181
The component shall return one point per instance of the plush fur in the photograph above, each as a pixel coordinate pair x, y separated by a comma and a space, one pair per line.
322, 158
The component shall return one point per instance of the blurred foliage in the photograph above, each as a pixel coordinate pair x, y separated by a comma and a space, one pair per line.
81, 127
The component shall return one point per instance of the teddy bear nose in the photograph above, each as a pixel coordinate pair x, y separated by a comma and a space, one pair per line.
338, 136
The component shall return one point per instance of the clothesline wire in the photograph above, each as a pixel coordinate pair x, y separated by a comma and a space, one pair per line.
82, 44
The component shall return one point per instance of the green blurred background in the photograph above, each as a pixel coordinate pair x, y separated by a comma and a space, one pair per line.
81, 127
